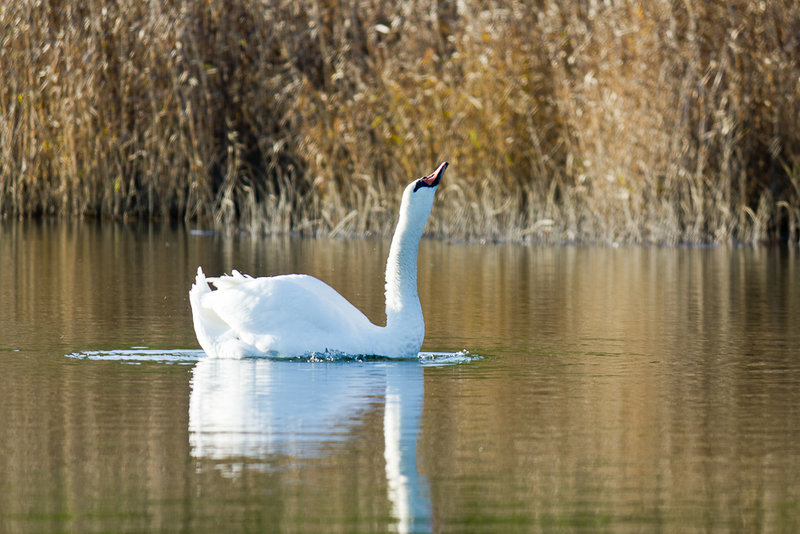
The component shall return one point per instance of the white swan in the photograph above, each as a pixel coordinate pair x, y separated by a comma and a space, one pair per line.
297, 315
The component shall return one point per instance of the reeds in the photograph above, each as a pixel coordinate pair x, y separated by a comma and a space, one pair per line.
642, 122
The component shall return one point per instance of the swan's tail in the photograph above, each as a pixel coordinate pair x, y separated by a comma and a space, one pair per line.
199, 288
207, 324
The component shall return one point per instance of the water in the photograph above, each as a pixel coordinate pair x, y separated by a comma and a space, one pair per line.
615, 390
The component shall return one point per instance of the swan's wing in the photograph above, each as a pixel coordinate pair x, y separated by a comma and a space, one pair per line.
288, 305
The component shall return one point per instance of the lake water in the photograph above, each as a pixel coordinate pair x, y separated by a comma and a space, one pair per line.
603, 389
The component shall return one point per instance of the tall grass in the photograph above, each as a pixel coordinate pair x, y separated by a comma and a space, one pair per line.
592, 120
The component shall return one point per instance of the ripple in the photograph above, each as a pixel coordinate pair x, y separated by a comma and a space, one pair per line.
440, 359
141, 355
190, 356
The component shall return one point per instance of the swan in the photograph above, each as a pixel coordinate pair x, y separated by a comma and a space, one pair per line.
298, 315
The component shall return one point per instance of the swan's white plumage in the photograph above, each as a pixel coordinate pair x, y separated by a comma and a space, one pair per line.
295, 315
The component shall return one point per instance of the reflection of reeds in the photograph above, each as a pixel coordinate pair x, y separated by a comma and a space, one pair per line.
638, 121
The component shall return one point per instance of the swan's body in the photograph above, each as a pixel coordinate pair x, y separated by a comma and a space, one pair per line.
297, 315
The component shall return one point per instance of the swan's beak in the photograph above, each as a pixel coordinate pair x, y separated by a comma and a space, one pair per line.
432, 180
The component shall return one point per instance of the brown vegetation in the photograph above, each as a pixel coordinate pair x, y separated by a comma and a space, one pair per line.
629, 121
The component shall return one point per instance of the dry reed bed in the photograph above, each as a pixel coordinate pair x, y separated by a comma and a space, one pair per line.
642, 122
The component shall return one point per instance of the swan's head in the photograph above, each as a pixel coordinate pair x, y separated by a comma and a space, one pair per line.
418, 196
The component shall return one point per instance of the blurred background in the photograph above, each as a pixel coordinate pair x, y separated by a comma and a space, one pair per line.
577, 121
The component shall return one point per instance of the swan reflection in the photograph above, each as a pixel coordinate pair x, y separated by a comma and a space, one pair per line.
250, 410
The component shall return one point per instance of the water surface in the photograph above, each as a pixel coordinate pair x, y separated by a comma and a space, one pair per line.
630, 389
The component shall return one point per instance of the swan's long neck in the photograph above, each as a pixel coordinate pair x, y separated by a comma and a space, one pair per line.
403, 309
405, 327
